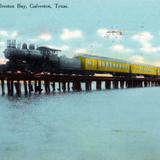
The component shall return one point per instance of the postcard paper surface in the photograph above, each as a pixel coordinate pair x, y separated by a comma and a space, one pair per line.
79, 80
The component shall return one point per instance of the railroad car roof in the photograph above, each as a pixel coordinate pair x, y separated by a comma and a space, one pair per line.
113, 59
102, 58
146, 65
47, 48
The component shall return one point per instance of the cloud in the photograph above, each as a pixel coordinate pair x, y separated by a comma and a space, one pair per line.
81, 50
9, 34
121, 49
144, 38
45, 36
156, 63
14, 34
2, 44
137, 59
148, 48
102, 32
3, 33
68, 34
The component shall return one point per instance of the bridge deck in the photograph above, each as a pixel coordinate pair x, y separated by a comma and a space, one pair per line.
63, 78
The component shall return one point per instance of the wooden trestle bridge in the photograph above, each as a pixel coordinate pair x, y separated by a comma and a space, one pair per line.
18, 83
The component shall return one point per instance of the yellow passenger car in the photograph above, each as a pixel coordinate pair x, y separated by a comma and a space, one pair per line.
103, 64
158, 71
99, 64
142, 69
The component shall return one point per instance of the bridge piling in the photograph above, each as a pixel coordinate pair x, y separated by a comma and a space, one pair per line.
25, 87
107, 84
11, 88
68, 86
129, 83
115, 85
148, 85
139, 84
39, 86
156, 84
126, 84
47, 86
64, 86
88, 85
134, 84
53, 86
98, 85
122, 84
30, 87
59, 86
18, 88
8, 87
77, 86
2, 87
145, 83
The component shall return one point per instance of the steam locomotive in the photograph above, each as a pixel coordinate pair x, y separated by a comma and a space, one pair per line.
40, 59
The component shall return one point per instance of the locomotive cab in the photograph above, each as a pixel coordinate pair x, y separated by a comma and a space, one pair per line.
45, 51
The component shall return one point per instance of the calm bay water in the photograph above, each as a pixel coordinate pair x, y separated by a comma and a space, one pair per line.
98, 125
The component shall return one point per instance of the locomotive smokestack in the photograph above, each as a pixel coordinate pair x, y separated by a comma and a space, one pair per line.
24, 46
32, 47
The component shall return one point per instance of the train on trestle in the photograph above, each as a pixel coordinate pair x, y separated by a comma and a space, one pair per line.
45, 59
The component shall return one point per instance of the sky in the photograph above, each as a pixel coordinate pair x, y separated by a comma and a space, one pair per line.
87, 27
